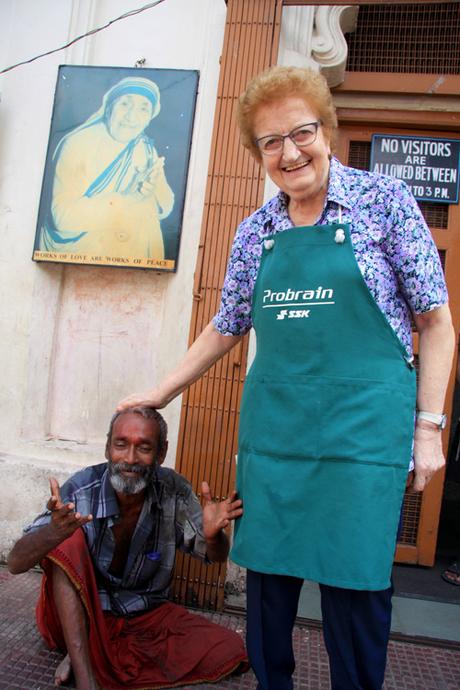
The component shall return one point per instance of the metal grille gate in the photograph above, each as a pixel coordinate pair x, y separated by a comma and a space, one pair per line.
421, 38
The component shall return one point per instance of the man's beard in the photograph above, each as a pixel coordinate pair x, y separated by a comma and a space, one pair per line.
130, 485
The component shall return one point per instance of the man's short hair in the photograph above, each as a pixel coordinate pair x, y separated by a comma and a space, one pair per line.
146, 413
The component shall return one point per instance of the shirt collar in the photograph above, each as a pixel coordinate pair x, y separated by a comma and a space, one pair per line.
338, 189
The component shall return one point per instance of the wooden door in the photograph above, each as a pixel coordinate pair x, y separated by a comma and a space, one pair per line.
421, 511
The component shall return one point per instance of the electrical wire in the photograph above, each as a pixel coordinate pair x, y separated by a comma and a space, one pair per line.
131, 13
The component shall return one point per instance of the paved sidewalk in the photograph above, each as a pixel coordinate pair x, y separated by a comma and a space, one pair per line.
26, 664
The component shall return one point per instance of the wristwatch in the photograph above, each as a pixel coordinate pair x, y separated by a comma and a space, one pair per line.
439, 419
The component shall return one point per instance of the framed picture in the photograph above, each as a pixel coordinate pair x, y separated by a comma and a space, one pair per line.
116, 168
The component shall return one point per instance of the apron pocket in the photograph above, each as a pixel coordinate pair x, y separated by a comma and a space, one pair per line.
281, 418
367, 421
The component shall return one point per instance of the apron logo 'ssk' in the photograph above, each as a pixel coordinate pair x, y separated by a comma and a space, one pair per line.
293, 314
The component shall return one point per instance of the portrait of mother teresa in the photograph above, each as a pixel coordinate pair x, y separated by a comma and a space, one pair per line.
110, 191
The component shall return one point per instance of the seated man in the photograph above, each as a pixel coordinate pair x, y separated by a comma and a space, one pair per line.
107, 544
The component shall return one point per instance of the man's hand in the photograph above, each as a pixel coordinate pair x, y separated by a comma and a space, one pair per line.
32, 547
218, 515
428, 454
64, 520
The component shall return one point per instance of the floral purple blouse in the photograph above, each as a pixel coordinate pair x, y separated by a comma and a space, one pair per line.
392, 243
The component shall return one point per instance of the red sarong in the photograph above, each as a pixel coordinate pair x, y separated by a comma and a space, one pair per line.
163, 648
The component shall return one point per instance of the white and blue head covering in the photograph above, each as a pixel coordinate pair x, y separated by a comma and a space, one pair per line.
128, 85
131, 85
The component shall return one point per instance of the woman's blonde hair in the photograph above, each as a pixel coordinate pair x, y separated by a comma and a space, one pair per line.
277, 83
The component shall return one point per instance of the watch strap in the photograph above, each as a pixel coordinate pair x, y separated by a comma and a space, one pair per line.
433, 417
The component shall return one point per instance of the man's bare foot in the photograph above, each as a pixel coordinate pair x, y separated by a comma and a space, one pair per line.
63, 671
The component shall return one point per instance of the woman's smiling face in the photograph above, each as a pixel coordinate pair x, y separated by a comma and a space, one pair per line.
130, 115
302, 173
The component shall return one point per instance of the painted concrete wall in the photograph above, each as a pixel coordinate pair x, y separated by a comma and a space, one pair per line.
76, 339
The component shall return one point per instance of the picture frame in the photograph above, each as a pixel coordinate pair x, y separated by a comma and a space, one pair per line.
116, 168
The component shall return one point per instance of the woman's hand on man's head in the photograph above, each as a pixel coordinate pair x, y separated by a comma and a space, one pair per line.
147, 399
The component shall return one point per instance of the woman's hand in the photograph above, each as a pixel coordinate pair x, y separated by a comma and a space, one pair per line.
157, 171
147, 399
436, 347
148, 186
155, 188
428, 454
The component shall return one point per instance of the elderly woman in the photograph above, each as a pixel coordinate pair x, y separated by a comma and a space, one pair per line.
329, 274
110, 191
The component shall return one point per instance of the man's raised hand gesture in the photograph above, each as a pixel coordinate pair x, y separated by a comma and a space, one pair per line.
64, 519
34, 546
217, 515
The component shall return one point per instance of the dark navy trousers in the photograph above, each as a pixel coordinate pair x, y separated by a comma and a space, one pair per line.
356, 628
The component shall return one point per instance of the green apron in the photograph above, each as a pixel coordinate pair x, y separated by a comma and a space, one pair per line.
326, 421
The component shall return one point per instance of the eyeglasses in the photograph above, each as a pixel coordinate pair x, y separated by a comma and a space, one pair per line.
301, 136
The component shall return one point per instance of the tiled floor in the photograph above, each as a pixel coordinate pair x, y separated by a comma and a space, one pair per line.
25, 663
